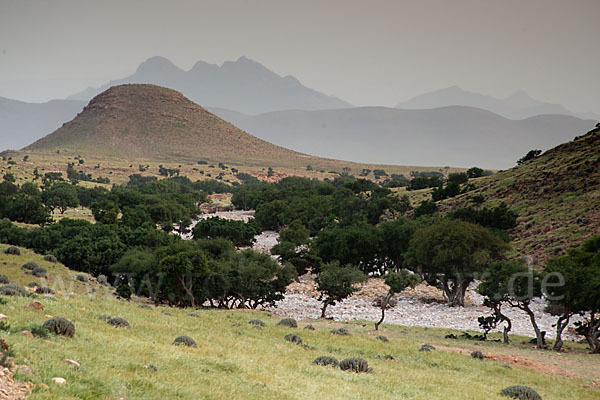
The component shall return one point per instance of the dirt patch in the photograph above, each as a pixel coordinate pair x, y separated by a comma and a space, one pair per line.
547, 367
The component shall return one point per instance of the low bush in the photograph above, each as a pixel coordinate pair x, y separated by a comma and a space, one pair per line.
146, 306
44, 290
427, 348
118, 322
102, 279
39, 272
355, 365
82, 278
521, 393
60, 326
257, 322
50, 258
289, 322
185, 341
4, 279
326, 361
383, 339
478, 355
13, 251
193, 314
340, 332
12, 289
292, 337
30, 266
309, 327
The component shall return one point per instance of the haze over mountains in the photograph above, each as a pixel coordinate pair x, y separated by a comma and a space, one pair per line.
455, 135
243, 85
445, 127
517, 106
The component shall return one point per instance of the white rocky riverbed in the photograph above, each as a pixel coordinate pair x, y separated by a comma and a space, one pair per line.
422, 306
415, 308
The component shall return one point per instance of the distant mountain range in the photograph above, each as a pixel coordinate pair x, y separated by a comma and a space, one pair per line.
457, 136
243, 85
23, 123
517, 106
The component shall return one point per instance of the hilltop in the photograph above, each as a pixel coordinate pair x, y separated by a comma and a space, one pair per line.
134, 123
557, 196
242, 85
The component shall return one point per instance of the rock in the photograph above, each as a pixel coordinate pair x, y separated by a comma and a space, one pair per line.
48, 316
73, 363
27, 334
59, 381
2, 316
36, 305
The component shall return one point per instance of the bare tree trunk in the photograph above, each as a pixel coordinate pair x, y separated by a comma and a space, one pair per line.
507, 329
561, 324
538, 333
384, 304
187, 290
327, 302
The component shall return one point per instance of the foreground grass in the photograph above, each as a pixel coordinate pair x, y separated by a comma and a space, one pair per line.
236, 361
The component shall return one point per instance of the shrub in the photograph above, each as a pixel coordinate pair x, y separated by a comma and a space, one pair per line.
326, 361
193, 314
257, 322
12, 289
82, 278
185, 341
39, 272
521, 393
30, 266
4, 279
38, 331
60, 326
478, 355
146, 306
13, 251
355, 364
33, 284
104, 318
292, 337
50, 258
383, 339
309, 327
340, 331
44, 290
102, 279
289, 322
427, 348
118, 322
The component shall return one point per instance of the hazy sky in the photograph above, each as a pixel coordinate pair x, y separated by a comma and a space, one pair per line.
365, 52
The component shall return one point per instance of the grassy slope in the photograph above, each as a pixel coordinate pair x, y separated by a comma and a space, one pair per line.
556, 195
241, 362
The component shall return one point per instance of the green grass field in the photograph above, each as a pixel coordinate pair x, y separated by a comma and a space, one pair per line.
234, 360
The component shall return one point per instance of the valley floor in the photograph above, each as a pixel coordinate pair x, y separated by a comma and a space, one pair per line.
235, 360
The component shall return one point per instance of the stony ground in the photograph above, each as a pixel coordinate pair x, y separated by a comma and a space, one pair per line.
10, 389
423, 306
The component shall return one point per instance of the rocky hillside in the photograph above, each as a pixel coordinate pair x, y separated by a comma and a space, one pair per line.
557, 196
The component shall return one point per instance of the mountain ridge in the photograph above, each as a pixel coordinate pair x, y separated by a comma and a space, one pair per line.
452, 135
243, 85
518, 105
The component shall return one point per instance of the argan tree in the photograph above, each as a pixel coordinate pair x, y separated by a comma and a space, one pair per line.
397, 282
335, 283
450, 253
